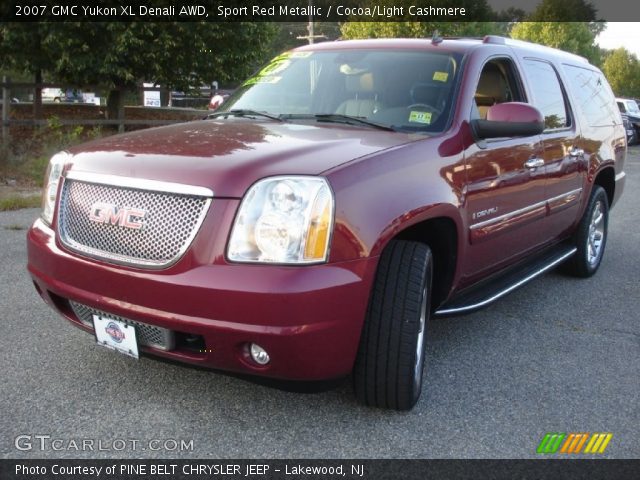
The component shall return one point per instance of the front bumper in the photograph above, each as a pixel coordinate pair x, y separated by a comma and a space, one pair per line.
308, 318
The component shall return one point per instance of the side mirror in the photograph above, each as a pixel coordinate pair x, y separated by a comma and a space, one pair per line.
511, 119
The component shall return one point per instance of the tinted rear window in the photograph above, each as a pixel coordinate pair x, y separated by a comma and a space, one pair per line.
594, 96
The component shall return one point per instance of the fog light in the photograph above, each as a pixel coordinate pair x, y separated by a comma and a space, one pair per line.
259, 354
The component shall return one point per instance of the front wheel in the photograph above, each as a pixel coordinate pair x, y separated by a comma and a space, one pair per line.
591, 235
389, 364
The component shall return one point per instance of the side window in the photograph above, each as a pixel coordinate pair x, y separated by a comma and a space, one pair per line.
499, 83
547, 93
593, 94
621, 107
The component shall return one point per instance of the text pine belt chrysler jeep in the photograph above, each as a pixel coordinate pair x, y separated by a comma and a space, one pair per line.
340, 198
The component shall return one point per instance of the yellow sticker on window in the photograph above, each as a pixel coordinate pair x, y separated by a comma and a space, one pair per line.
262, 79
420, 117
275, 67
440, 76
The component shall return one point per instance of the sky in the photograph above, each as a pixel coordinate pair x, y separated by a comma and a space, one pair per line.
621, 34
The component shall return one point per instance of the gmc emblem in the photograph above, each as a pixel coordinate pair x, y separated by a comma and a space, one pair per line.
122, 217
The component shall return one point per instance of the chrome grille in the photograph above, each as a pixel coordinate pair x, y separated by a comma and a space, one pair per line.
170, 223
149, 335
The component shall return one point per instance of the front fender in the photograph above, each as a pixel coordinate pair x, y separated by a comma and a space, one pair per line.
381, 195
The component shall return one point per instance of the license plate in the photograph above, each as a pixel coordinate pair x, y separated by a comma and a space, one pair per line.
116, 335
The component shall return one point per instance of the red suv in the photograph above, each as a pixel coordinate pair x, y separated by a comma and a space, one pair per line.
341, 197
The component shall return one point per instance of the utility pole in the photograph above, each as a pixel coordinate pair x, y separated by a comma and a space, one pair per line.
310, 27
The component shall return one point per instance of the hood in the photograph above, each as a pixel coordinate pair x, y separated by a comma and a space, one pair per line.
229, 155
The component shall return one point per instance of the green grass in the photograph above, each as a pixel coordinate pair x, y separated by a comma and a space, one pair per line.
17, 202
24, 165
24, 157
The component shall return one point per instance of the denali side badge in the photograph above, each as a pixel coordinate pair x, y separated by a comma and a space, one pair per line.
484, 213
122, 217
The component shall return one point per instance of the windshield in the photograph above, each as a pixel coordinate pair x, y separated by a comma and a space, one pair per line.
404, 90
632, 107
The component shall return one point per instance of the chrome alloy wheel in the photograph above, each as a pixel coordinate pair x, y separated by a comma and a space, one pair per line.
596, 235
420, 339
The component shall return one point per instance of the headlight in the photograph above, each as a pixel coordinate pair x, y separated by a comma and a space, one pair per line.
51, 180
283, 220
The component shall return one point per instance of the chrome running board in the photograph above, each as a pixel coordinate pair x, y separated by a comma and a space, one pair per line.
476, 298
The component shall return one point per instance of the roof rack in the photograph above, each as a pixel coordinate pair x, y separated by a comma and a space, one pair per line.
454, 37
494, 39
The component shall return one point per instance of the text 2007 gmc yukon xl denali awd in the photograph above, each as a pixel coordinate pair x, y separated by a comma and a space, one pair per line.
345, 194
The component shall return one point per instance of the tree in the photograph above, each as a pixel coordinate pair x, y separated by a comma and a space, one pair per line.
622, 70
120, 55
25, 48
352, 30
511, 14
567, 11
575, 37
179, 55
570, 25
477, 9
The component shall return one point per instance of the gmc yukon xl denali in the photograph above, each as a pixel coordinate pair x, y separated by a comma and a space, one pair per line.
340, 198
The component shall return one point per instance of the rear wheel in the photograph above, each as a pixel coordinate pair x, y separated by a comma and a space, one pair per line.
591, 235
389, 365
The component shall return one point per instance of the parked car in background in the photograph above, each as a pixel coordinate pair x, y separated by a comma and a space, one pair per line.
631, 109
52, 95
210, 96
632, 137
58, 95
196, 97
340, 198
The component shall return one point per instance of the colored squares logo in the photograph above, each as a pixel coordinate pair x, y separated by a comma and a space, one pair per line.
574, 443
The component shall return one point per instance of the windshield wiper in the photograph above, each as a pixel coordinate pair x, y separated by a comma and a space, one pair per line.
348, 119
337, 118
242, 112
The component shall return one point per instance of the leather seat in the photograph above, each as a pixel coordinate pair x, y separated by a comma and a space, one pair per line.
365, 100
492, 89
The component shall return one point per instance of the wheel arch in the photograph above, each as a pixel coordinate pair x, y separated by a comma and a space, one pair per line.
606, 178
441, 235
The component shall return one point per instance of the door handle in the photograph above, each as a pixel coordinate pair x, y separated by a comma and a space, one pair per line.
534, 163
576, 152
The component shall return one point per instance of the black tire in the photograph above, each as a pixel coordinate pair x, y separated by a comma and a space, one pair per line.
586, 260
389, 364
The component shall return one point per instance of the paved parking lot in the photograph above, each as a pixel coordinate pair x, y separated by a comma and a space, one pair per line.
559, 355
